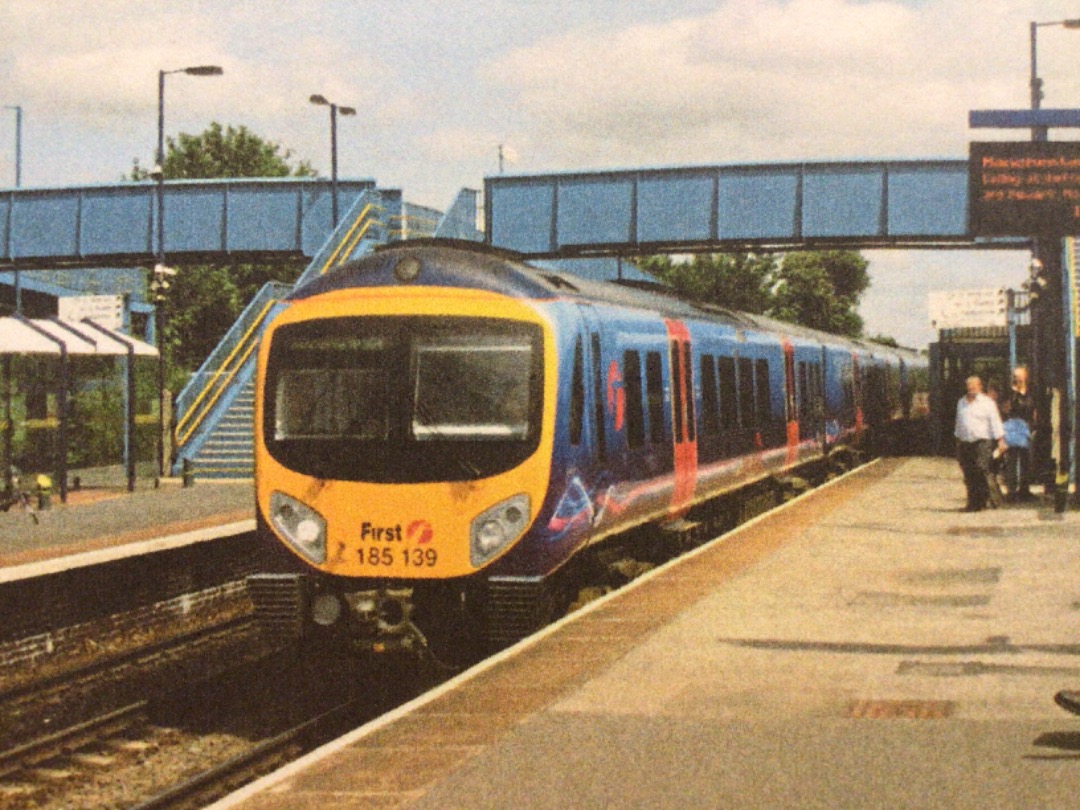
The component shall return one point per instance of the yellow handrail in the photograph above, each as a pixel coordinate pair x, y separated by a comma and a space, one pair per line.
217, 375
209, 405
195, 415
361, 219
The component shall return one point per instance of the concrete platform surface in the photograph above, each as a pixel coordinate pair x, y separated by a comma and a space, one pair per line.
868, 646
95, 518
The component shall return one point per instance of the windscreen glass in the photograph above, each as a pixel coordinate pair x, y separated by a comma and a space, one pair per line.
403, 399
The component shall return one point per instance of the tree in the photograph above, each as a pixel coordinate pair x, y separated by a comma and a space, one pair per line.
819, 289
741, 281
229, 152
206, 299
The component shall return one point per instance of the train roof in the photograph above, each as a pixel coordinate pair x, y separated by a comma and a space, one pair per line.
458, 263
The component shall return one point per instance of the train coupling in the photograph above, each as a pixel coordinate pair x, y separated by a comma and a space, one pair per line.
292, 607
381, 621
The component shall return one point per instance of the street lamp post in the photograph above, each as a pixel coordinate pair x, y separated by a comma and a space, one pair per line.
1051, 324
1040, 133
18, 183
160, 282
334, 110
18, 142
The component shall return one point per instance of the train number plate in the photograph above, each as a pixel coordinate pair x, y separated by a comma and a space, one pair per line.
396, 555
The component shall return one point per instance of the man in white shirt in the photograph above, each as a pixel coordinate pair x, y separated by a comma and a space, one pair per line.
978, 427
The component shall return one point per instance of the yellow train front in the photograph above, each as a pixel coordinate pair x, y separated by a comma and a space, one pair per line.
402, 444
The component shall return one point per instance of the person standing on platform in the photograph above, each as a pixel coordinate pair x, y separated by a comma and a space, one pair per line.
978, 427
1020, 417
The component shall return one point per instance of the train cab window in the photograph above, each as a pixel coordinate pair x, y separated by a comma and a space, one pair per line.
404, 399
499, 408
746, 392
635, 401
763, 392
654, 392
710, 405
577, 395
729, 411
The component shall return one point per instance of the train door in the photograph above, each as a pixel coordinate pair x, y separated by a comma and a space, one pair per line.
791, 405
684, 416
606, 403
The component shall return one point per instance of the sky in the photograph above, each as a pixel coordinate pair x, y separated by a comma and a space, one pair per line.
561, 85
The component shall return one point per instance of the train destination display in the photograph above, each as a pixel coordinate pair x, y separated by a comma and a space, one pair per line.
1024, 188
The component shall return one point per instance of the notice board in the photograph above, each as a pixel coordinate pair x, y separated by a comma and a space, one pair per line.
1024, 188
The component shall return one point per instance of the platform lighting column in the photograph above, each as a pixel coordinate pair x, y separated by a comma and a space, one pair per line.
1040, 133
18, 183
160, 283
1059, 371
334, 110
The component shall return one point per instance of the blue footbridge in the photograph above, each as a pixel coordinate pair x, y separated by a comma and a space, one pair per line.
586, 220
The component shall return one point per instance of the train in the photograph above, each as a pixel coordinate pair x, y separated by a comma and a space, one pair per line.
444, 433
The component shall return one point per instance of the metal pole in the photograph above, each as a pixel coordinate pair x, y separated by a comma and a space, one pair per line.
158, 311
333, 164
18, 183
1037, 133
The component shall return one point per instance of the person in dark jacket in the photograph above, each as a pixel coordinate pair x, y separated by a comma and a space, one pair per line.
1019, 412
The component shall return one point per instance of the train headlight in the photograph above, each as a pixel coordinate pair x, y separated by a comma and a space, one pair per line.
496, 528
302, 527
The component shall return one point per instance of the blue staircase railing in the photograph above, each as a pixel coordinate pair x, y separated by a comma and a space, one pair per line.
213, 390
459, 222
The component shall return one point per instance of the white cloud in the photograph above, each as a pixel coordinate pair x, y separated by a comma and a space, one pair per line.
773, 81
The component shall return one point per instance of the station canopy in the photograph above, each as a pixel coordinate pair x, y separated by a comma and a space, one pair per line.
44, 336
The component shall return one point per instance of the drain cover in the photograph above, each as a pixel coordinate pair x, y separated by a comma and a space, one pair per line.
901, 709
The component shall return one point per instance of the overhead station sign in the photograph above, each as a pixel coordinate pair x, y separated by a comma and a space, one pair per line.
961, 309
1024, 188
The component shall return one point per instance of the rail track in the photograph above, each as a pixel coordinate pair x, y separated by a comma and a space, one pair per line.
191, 728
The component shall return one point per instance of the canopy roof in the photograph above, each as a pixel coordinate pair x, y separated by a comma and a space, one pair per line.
85, 337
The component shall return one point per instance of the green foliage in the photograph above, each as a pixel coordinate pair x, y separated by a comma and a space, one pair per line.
819, 289
741, 281
205, 300
822, 290
229, 152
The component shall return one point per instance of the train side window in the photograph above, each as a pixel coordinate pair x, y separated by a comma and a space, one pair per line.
804, 391
763, 392
691, 415
598, 398
677, 391
635, 420
577, 396
654, 391
746, 392
729, 413
710, 405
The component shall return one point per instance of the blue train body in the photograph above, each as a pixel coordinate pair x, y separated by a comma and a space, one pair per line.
643, 410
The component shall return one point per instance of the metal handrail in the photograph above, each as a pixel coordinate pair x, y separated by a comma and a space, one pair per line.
219, 374
228, 377
270, 291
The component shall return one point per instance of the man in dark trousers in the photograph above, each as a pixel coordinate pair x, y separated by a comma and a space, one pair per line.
1019, 412
978, 428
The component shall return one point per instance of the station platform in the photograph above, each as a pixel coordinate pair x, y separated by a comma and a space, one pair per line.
98, 517
867, 645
